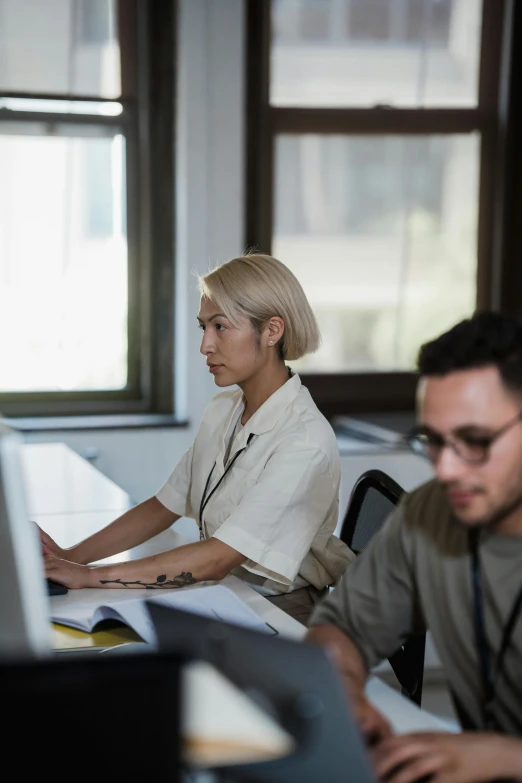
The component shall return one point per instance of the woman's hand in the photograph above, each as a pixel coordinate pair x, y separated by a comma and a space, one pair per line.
444, 757
72, 575
49, 547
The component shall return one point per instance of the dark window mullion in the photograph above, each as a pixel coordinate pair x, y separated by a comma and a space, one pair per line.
339, 394
127, 23
377, 121
59, 96
492, 174
133, 232
259, 127
162, 97
84, 403
129, 19
491, 44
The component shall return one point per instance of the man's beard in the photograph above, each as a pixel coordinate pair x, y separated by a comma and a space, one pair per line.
493, 520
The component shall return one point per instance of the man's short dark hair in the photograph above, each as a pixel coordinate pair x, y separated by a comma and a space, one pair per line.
485, 339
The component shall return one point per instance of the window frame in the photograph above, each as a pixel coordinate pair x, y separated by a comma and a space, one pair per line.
147, 38
348, 393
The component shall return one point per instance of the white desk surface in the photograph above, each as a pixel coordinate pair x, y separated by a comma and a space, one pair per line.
82, 496
59, 481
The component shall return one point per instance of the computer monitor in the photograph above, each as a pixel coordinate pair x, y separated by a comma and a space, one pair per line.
93, 717
25, 630
294, 682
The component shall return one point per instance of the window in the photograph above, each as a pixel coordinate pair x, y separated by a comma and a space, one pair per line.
86, 267
372, 154
398, 21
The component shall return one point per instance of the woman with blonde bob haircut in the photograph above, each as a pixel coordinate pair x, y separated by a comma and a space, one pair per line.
259, 286
262, 476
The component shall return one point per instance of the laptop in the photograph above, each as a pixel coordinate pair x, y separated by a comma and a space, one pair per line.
294, 682
25, 630
116, 718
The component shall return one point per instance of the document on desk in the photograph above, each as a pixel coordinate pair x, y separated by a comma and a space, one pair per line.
216, 601
404, 716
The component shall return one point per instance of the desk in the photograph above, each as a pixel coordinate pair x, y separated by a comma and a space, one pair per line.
66, 500
59, 481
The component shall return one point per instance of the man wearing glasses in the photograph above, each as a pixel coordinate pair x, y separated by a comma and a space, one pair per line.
449, 559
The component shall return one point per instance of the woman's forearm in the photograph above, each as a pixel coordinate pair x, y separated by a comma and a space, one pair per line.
184, 565
132, 528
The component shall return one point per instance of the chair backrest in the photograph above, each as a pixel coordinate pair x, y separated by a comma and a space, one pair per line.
373, 498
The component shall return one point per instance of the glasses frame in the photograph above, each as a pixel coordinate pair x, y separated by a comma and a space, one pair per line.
413, 437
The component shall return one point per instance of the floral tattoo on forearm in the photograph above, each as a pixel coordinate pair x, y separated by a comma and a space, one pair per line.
181, 580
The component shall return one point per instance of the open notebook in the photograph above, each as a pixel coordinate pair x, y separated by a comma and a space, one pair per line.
216, 602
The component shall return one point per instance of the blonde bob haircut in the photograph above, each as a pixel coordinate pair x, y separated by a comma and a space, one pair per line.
260, 287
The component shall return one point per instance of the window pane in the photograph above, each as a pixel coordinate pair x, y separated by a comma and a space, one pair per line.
368, 52
63, 259
65, 47
381, 231
58, 106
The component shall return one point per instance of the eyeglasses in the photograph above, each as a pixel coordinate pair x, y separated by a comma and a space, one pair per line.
471, 448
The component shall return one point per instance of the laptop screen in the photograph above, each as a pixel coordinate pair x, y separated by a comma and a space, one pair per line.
25, 629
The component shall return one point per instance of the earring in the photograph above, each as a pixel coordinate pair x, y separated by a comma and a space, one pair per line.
270, 342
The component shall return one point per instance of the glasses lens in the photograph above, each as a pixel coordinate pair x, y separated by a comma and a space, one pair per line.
422, 444
472, 449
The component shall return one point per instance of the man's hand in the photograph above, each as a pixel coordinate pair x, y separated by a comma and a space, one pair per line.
349, 662
372, 724
445, 758
72, 575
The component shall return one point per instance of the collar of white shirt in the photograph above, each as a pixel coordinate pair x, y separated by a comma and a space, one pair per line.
266, 417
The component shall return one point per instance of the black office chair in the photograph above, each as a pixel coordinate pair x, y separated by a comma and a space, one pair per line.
373, 498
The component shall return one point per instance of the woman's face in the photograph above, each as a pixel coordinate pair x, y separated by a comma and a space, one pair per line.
234, 353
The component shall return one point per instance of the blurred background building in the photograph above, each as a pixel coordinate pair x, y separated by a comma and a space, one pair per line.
381, 229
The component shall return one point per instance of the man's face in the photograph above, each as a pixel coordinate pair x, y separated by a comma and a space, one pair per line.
475, 403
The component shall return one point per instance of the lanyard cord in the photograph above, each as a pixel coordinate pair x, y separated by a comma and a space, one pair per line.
489, 679
206, 498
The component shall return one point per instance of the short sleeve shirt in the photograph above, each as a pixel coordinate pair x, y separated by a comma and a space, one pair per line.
415, 575
276, 498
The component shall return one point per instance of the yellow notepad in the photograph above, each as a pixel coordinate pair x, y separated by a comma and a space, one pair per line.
65, 638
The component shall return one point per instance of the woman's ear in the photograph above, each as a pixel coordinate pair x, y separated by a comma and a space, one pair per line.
274, 330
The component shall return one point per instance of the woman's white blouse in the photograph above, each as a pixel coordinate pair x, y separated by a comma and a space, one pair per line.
278, 502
